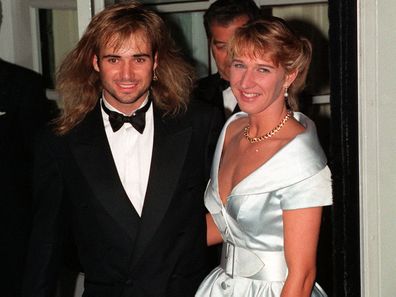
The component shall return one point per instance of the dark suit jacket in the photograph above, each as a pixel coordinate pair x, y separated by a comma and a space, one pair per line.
210, 89
78, 190
24, 109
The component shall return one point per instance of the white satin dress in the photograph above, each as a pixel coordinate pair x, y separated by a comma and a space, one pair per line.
250, 222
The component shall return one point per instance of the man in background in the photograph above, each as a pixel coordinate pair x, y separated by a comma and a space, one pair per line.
24, 109
221, 20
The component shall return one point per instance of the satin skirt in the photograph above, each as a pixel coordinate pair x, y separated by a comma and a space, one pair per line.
219, 284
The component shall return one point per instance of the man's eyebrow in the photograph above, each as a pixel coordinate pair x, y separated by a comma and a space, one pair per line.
134, 56
111, 56
141, 55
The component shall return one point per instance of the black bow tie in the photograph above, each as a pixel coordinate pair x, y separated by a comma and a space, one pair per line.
137, 119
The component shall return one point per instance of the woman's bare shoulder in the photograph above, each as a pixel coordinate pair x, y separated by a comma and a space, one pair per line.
292, 129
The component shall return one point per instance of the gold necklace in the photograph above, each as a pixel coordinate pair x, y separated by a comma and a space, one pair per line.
270, 133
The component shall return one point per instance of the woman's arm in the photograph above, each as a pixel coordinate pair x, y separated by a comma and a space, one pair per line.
213, 235
301, 234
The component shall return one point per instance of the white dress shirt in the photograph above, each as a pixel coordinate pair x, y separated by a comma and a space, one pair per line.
229, 101
132, 153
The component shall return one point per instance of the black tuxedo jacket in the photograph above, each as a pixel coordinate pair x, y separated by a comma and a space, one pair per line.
23, 110
210, 89
78, 191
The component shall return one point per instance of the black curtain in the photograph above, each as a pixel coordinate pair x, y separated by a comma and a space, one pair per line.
344, 148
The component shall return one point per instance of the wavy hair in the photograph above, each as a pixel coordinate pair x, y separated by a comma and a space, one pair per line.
79, 84
272, 38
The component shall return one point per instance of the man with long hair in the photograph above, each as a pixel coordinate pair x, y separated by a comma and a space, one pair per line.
124, 170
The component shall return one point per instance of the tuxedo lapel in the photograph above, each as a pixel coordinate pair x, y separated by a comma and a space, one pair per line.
171, 142
93, 154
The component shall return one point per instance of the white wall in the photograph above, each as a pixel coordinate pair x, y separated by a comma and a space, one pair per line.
6, 36
377, 114
19, 19
16, 22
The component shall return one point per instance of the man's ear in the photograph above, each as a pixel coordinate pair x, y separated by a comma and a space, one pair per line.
95, 63
155, 61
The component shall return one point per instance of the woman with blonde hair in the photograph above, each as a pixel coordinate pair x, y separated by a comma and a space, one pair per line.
269, 178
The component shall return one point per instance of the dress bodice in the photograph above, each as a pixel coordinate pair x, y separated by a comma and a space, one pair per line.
250, 221
295, 177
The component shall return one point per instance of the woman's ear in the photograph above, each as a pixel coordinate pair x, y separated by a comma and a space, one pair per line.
290, 77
